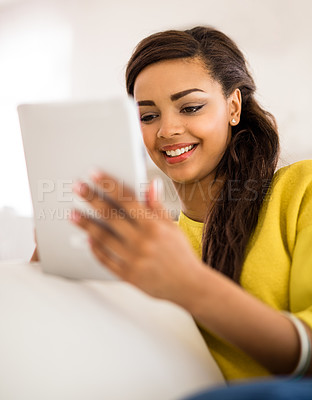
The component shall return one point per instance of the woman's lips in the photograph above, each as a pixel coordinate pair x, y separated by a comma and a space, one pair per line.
181, 157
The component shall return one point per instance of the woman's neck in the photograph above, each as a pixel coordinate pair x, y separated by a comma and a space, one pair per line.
198, 197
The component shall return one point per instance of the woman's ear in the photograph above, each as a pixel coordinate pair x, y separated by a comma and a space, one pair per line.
235, 107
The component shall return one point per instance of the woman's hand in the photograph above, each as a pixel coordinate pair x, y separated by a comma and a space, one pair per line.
35, 256
138, 242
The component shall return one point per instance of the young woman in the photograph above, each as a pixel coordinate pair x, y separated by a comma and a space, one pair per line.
239, 260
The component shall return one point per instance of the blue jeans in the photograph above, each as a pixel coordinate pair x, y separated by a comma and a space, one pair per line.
277, 389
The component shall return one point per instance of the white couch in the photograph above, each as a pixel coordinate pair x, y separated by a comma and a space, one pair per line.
16, 235
92, 340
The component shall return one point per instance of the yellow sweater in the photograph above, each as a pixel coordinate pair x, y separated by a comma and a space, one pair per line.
278, 264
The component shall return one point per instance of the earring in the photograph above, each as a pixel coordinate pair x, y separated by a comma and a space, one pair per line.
234, 121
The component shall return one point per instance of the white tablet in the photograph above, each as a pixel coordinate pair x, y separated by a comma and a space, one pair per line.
63, 143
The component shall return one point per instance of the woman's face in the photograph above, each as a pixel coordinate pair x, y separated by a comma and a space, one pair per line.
185, 118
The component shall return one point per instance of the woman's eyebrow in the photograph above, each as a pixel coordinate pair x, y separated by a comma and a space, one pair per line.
177, 96
146, 103
173, 97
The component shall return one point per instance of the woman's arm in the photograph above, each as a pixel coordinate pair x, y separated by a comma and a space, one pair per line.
226, 309
144, 247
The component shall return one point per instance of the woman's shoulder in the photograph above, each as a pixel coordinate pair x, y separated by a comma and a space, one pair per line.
291, 193
294, 177
287, 207
298, 170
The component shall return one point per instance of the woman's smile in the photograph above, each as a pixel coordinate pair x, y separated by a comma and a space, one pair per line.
179, 153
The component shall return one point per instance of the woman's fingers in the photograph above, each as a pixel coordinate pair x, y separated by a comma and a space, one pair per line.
119, 194
119, 202
101, 232
108, 209
150, 253
100, 200
107, 258
116, 189
106, 227
122, 230
123, 195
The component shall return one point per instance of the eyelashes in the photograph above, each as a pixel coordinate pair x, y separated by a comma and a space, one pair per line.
148, 118
191, 109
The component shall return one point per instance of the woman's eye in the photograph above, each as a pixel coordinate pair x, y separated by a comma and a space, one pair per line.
191, 109
148, 117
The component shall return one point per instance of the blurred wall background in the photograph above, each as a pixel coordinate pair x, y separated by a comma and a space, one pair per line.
66, 49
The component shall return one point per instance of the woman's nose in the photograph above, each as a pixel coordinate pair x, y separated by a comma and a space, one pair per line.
170, 126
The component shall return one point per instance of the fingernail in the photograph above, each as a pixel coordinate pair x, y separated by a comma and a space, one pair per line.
96, 175
81, 188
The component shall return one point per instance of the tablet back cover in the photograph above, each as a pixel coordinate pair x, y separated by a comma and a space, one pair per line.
63, 143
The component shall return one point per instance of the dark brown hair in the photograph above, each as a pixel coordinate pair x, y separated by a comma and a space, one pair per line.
248, 164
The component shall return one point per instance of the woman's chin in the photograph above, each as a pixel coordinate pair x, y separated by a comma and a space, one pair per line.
182, 180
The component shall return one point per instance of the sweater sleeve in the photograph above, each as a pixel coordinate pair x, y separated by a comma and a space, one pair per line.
300, 289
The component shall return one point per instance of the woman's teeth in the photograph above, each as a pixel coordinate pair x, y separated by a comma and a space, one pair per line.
178, 152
